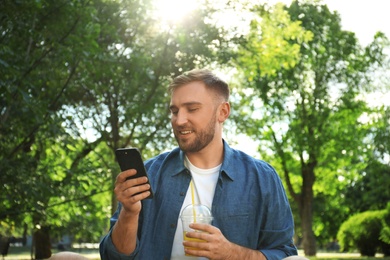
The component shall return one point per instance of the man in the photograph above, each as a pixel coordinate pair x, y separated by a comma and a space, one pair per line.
251, 215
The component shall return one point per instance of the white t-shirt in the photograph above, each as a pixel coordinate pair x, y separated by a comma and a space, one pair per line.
204, 181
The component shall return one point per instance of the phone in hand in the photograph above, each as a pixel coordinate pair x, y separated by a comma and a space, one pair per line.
130, 158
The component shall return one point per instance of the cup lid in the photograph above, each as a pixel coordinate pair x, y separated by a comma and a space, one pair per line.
201, 211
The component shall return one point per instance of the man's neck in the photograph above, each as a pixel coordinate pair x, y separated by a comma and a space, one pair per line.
209, 157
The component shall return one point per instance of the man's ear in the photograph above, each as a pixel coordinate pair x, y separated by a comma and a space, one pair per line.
224, 112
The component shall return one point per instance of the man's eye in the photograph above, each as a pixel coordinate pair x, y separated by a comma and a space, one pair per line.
174, 112
192, 109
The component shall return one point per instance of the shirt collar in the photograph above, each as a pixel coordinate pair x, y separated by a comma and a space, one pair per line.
229, 160
178, 155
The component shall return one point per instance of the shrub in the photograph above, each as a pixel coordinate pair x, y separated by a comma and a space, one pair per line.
385, 233
363, 232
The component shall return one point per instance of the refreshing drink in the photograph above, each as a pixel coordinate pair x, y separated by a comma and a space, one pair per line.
192, 240
194, 214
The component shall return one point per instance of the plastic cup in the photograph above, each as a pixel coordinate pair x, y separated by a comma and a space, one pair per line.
196, 213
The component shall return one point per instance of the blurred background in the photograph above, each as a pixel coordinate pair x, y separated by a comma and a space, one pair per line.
310, 85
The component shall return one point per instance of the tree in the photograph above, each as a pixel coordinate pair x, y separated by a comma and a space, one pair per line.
308, 111
80, 79
39, 58
126, 102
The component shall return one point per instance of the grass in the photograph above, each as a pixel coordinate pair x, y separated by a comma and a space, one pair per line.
23, 253
340, 256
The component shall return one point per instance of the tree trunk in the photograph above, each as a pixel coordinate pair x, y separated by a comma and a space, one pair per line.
42, 243
306, 211
25, 231
308, 240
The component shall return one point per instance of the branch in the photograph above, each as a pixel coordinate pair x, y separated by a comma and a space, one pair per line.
38, 61
282, 156
35, 129
89, 147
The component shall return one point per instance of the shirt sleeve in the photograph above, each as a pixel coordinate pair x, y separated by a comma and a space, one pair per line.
107, 248
280, 253
276, 237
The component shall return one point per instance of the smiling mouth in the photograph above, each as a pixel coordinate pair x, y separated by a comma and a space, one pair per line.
185, 132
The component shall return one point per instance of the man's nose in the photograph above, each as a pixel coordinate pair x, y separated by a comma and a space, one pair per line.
181, 118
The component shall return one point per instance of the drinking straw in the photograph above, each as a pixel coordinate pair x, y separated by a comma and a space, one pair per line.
193, 200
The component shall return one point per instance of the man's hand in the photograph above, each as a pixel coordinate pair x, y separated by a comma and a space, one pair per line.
131, 192
216, 246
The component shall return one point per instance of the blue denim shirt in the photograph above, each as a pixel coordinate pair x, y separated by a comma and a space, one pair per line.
250, 207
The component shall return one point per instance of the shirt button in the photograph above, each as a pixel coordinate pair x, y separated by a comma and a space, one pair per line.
182, 193
173, 225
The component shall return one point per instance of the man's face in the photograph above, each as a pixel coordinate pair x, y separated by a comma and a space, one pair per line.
193, 116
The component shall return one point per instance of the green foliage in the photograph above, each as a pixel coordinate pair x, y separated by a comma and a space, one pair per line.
42, 45
82, 78
78, 80
269, 47
370, 189
362, 231
385, 232
381, 130
308, 114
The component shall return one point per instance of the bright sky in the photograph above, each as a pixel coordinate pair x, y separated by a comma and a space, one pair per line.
364, 18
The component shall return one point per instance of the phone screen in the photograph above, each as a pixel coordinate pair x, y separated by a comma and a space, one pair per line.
130, 158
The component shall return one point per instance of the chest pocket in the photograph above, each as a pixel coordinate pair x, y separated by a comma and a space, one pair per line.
235, 223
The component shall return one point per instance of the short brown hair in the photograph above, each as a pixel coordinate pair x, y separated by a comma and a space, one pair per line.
211, 81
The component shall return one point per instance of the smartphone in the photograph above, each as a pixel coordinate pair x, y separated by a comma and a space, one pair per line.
130, 158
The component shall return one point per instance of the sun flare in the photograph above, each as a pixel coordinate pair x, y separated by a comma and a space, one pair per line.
172, 11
